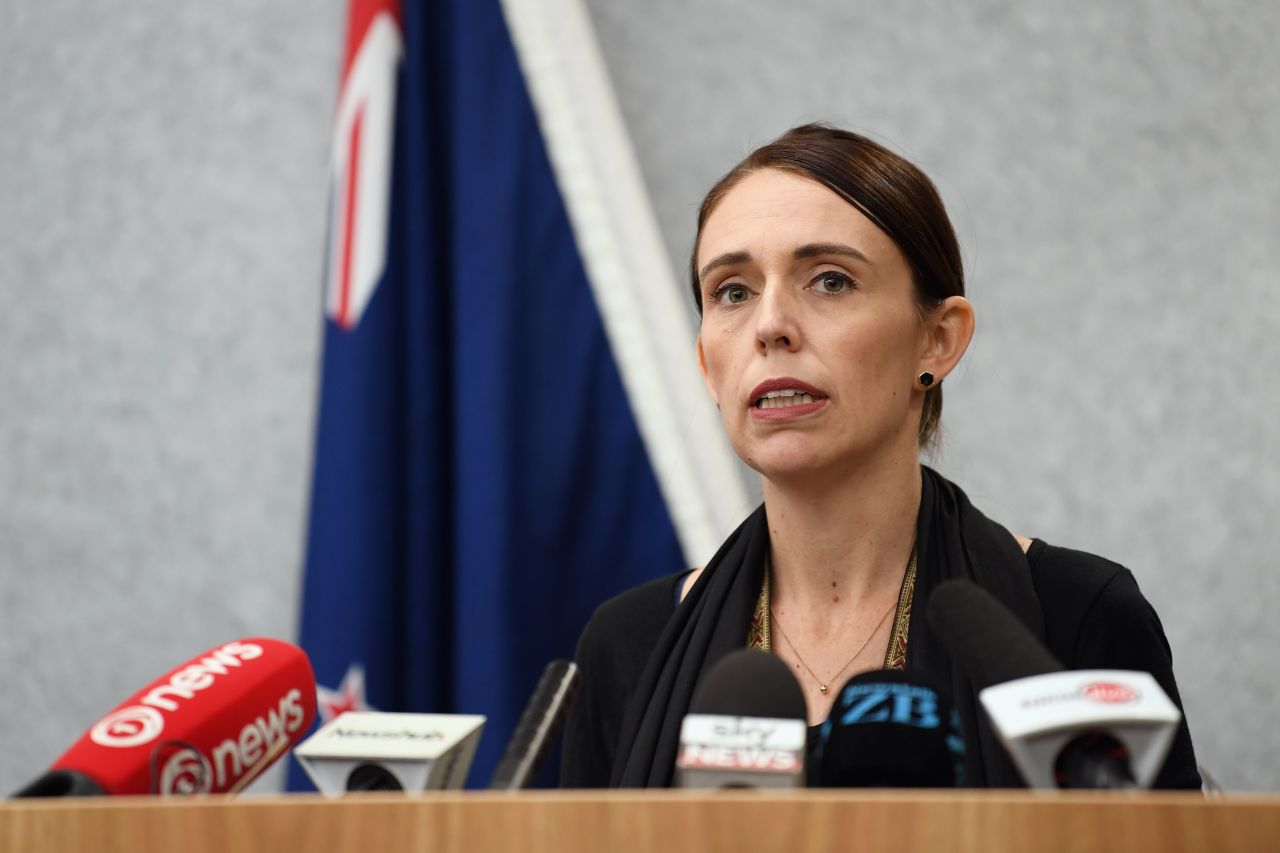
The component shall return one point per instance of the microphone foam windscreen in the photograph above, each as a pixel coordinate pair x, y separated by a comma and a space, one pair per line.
987, 641
889, 729
749, 683
211, 725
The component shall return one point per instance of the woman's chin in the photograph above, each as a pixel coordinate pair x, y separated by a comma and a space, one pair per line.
802, 460
791, 464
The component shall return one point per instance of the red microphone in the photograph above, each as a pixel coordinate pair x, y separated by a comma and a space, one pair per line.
211, 725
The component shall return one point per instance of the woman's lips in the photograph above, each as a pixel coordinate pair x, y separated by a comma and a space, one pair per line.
786, 413
784, 399
783, 383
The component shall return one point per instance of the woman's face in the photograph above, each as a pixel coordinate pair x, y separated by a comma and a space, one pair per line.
811, 339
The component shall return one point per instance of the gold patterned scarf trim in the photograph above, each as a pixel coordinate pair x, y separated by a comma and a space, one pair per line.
760, 633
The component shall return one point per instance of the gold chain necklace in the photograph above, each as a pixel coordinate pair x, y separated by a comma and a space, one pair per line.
825, 686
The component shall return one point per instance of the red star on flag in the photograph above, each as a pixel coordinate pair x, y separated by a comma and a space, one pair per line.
348, 697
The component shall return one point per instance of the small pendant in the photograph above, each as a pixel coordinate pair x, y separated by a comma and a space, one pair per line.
823, 688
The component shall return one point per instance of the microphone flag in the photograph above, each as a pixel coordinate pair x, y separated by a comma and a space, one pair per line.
480, 482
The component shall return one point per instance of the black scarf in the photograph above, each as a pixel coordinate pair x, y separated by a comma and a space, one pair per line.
953, 540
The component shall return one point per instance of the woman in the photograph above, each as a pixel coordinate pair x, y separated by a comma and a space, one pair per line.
831, 291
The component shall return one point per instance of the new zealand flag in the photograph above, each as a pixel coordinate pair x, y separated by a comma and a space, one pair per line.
480, 482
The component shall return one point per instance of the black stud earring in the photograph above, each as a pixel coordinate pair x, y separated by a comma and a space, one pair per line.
926, 379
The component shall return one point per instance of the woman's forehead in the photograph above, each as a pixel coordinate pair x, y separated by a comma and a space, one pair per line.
772, 211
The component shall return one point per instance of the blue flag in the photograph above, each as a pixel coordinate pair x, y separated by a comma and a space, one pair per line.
480, 483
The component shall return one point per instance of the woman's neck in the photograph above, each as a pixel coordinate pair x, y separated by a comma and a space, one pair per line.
843, 541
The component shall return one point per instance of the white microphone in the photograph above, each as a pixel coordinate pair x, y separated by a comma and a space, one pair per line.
375, 751
1042, 719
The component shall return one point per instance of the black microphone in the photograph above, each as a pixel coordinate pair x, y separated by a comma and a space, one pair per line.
990, 644
538, 725
749, 683
1063, 729
890, 729
745, 726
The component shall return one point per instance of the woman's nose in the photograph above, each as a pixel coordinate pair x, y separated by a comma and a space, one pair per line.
776, 326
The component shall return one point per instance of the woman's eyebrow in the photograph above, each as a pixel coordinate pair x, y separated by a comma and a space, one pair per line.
809, 250
812, 250
723, 261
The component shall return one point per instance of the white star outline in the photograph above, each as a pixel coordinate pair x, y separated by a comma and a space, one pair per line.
348, 697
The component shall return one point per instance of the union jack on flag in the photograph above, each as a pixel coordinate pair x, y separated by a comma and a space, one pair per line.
360, 169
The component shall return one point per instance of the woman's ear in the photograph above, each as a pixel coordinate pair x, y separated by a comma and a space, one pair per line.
948, 330
702, 368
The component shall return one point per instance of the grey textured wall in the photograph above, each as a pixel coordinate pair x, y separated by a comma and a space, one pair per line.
162, 191
162, 166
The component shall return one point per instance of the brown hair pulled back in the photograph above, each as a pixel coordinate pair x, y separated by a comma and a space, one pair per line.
890, 191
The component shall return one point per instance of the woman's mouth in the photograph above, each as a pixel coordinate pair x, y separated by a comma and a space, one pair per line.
777, 400
784, 399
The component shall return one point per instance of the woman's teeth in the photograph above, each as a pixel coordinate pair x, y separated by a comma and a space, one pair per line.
783, 399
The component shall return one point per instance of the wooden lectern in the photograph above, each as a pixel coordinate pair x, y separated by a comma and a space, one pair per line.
850, 821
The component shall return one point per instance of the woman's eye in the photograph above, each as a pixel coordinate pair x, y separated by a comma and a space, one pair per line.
730, 294
833, 282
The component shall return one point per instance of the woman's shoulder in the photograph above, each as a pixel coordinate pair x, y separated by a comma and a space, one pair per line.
1094, 610
629, 623
1096, 617
1071, 572
652, 600
612, 653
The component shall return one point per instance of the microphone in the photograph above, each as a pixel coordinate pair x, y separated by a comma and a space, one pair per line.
890, 729
989, 643
379, 751
212, 725
745, 727
1097, 728
538, 724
